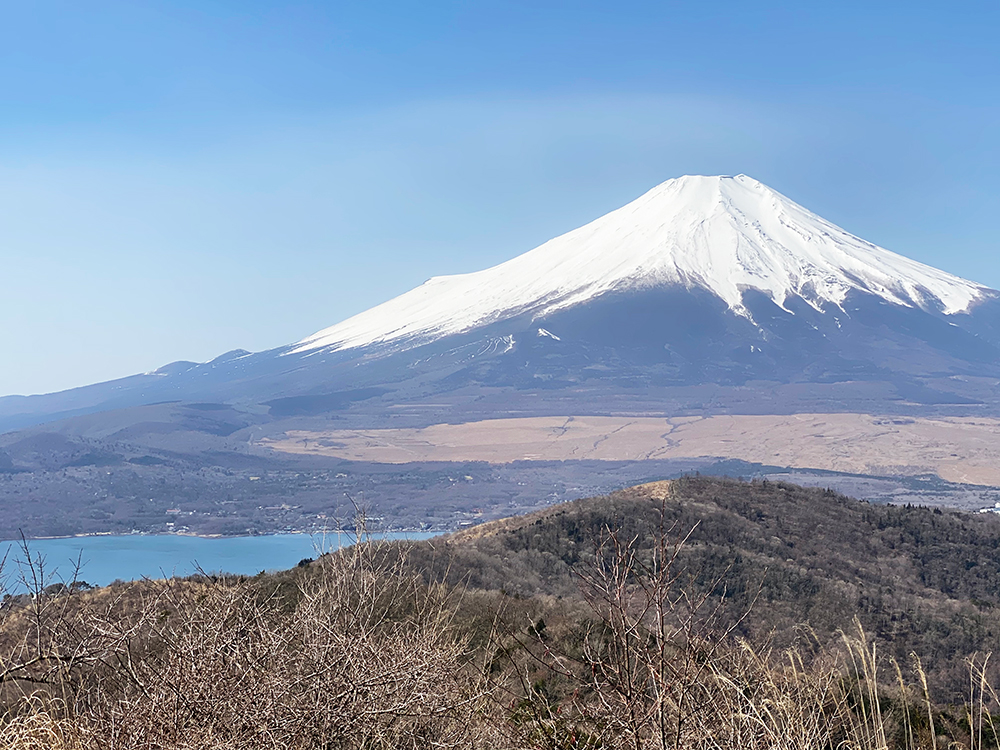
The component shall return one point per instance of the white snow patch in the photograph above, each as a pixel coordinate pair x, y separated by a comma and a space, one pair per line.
724, 234
543, 332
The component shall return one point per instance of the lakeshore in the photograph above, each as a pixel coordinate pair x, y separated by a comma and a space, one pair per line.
103, 559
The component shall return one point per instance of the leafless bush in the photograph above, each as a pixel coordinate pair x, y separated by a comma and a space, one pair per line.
354, 654
50, 633
356, 651
359, 655
643, 673
660, 667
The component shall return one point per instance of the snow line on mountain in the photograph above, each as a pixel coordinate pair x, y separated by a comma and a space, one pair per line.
722, 234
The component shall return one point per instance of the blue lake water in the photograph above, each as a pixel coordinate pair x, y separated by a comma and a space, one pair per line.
108, 558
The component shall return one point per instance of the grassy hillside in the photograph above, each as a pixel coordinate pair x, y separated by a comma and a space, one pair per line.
699, 613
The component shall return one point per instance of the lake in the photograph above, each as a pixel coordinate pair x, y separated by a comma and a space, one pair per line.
108, 558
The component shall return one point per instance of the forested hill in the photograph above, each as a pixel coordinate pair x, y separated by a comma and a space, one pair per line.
562, 629
919, 579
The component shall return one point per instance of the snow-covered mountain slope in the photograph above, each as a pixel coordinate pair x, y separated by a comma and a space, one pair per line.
705, 295
726, 235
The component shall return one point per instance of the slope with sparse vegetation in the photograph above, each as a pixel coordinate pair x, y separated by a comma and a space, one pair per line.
699, 613
919, 579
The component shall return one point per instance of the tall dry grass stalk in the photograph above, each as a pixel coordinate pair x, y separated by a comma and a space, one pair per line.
32, 726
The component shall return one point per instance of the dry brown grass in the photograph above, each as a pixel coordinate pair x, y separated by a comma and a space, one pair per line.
353, 654
34, 728
357, 653
958, 449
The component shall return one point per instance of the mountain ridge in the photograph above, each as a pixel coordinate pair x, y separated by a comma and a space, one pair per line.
724, 234
613, 332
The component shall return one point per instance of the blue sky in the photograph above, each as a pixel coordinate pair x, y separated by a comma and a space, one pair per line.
182, 178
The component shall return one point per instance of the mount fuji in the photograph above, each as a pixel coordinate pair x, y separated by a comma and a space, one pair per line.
706, 294
709, 323
728, 236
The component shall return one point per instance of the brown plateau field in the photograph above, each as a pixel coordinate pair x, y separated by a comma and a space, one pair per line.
958, 449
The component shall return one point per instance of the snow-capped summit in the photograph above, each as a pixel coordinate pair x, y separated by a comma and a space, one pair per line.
705, 295
726, 235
